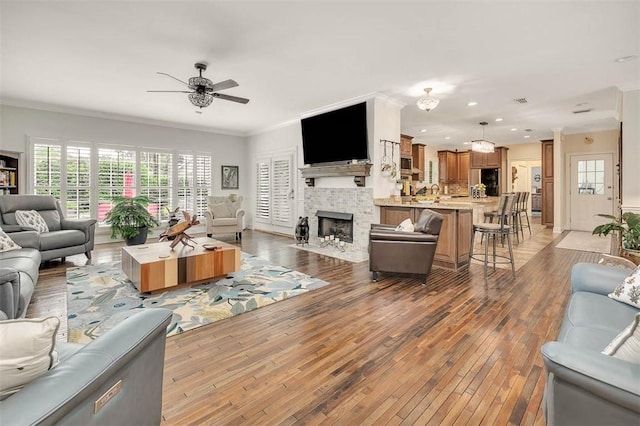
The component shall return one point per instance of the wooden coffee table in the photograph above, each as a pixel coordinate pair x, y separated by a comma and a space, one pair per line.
155, 266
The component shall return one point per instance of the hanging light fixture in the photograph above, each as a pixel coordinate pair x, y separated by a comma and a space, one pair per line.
428, 102
482, 145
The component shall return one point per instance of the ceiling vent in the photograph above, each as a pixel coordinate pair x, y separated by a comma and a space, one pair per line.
528, 130
520, 100
582, 111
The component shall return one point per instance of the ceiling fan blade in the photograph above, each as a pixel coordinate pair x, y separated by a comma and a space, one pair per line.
170, 91
230, 98
227, 84
168, 75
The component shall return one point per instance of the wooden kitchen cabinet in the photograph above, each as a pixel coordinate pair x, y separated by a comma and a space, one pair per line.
447, 166
405, 145
547, 183
418, 161
488, 160
463, 166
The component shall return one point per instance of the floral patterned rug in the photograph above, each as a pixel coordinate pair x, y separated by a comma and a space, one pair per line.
101, 296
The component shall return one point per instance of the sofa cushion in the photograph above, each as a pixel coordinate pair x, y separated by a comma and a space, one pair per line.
58, 239
594, 311
429, 222
6, 243
626, 345
28, 351
31, 219
220, 210
629, 290
587, 338
225, 221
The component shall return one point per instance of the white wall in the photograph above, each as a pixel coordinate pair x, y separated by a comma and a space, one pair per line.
631, 150
17, 124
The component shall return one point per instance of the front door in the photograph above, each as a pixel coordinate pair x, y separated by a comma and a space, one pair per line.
591, 190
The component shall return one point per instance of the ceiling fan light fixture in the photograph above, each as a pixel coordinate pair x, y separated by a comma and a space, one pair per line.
200, 99
428, 102
482, 145
195, 82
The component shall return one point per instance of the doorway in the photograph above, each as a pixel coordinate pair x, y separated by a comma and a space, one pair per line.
591, 190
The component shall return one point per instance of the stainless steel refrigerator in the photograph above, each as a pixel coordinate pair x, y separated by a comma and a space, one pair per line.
491, 179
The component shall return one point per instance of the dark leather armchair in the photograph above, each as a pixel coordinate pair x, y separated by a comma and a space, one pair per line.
405, 252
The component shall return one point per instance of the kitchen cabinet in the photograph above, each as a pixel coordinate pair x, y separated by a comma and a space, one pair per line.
9, 167
405, 145
447, 166
488, 160
463, 166
418, 162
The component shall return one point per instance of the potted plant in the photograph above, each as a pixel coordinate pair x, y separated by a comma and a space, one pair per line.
130, 220
628, 225
399, 184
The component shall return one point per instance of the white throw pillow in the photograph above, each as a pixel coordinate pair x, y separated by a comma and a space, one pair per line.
6, 243
405, 226
32, 219
626, 345
629, 291
28, 351
220, 210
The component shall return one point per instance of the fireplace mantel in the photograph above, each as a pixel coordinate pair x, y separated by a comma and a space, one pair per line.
358, 170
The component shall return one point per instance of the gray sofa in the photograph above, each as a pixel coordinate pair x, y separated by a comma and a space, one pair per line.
65, 237
584, 386
132, 354
18, 275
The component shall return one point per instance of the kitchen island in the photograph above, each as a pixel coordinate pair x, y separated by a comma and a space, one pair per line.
459, 214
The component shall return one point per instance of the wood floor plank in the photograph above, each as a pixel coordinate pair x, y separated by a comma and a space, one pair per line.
460, 350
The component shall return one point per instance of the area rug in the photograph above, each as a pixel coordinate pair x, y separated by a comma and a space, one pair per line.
350, 256
101, 296
585, 241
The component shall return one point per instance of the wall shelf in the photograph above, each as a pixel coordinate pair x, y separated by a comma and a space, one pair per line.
358, 170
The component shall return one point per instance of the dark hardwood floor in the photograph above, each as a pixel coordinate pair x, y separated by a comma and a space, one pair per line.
458, 351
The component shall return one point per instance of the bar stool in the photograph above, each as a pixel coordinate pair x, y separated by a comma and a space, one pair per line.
511, 216
524, 208
502, 229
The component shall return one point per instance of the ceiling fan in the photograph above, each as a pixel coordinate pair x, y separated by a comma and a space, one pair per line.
204, 90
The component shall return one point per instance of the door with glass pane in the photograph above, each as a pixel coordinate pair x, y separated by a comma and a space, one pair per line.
591, 190
274, 194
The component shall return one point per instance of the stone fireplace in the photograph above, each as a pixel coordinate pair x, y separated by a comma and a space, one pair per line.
356, 202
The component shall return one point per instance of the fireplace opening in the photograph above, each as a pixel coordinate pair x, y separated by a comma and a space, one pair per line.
337, 224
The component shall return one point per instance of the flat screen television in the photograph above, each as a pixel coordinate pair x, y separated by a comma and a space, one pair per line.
336, 136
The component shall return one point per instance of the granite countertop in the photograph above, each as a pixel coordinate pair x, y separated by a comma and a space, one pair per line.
444, 202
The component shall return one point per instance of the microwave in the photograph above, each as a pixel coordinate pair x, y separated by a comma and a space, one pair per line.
406, 164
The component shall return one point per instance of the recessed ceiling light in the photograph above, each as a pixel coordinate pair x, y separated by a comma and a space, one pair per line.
423, 130
626, 58
527, 136
448, 137
472, 103
514, 129
498, 119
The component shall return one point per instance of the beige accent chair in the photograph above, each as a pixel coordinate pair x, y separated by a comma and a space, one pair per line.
224, 216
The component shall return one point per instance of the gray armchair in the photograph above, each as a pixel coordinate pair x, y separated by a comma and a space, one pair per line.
405, 252
126, 363
65, 237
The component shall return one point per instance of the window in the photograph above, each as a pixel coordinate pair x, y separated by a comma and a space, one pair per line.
263, 193
591, 177
93, 175
156, 183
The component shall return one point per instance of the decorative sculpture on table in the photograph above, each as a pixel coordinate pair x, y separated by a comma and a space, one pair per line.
178, 231
302, 231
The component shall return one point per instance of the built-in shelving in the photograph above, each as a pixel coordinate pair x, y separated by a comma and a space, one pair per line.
9, 168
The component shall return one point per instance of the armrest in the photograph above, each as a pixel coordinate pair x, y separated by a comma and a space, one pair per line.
609, 378
14, 228
9, 292
239, 214
26, 239
390, 235
83, 225
132, 352
208, 215
595, 278
379, 226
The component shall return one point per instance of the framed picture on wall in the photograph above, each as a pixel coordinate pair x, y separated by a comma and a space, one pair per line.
229, 177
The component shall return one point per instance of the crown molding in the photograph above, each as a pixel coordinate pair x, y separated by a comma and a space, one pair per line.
110, 116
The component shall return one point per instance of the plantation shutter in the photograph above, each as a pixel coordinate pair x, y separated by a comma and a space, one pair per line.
281, 189
203, 183
116, 177
47, 159
263, 192
78, 192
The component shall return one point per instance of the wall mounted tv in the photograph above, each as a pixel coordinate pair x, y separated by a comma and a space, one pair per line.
336, 136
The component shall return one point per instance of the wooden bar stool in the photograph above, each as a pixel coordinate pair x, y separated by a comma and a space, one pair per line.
524, 208
502, 229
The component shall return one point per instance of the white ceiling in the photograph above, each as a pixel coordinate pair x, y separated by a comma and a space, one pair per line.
100, 57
